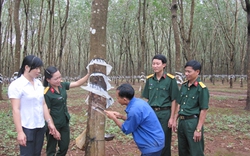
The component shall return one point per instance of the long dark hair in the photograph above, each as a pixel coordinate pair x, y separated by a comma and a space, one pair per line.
32, 61
48, 74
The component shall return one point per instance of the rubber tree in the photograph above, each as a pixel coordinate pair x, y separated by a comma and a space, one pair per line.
1, 66
95, 144
246, 7
18, 36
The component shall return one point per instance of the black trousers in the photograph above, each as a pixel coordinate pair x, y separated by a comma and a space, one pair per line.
34, 144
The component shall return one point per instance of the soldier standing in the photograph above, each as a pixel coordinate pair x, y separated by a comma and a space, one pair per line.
55, 95
161, 91
192, 109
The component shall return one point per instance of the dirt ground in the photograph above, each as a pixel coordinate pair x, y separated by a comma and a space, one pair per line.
215, 145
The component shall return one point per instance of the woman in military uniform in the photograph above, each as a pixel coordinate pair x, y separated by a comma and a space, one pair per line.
56, 98
192, 109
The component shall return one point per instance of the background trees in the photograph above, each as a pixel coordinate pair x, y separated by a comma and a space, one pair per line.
212, 32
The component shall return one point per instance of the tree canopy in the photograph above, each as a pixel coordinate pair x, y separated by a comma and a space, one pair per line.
212, 32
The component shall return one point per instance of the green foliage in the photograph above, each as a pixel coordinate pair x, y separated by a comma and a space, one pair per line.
234, 124
112, 128
7, 133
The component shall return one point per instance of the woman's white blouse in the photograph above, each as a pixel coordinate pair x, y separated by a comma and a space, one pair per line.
31, 101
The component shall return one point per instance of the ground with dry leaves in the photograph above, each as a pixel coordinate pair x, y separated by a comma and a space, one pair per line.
227, 128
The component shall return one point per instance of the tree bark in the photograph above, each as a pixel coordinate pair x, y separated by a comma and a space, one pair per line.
18, 36
95, 143
1, 60
63, 32
142, 34
51, 6
247, 9
26, 10
40, 34
186, 36
174, 9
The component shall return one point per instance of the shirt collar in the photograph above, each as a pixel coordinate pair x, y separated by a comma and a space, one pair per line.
25, 81
131, 102
52, 89
196, 82
164, 75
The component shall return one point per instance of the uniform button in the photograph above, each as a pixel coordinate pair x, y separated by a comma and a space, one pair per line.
156, 88
188, 88
184, 103
181, 109
193, 97
186, 96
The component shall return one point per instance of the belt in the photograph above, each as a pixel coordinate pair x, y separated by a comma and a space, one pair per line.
161, 108
184, 117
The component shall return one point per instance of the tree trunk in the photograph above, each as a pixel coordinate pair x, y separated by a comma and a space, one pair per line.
95, 144
174, 8
51, 5
120, 54
10, 68
63, 33
79, 55
40, 34
186, 36
247, 9
142, 33
18, 36
26, 10
170, 68
1, 58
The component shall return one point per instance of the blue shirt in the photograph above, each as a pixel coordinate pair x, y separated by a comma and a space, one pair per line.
144, 125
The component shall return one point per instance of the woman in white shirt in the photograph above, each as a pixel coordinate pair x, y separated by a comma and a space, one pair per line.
29, 108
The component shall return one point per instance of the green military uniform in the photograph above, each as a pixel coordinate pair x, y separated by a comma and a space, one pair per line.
57, 103
192, 100
160, 94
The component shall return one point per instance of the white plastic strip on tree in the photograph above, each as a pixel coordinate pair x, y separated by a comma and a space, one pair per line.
99, 91
100, 62
96, 89
106, 79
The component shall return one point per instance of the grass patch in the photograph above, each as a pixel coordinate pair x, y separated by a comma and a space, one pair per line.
233, 124
7, 134
222, 97
228, 90
220, 122
223, 153
112, 128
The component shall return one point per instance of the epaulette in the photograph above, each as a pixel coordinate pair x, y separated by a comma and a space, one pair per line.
149, 76
202, 85
170, 75
46, 90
